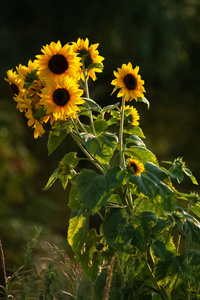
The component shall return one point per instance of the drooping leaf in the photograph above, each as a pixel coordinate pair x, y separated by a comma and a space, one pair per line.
58, 132
91, 104
189, 173
51, 180
144, 100
95, 66
109, 107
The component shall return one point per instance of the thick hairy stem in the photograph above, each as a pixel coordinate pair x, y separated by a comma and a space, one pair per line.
122, 162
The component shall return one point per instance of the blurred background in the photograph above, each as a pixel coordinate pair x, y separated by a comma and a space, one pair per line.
161, 36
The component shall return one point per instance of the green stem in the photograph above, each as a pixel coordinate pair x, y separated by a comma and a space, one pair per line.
80, 124
100, 215
78, 141
3, 267
161, 291
88, 96
122, 162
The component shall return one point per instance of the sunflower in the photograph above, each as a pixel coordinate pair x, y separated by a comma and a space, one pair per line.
135, 166
16, 83
61, 97
90, 55
129, 82
36, 123
23, 71
57, 61
131, 115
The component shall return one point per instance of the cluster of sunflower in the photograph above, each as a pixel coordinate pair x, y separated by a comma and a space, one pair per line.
49, 88
52, 87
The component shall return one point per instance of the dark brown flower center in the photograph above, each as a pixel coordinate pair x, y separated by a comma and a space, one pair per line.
14, 89
130, 82
58, 64
61, 97
133, 166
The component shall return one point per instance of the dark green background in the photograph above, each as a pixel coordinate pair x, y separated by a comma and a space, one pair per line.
161, 36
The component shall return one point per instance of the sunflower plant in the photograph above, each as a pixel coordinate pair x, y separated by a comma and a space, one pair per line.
135, 235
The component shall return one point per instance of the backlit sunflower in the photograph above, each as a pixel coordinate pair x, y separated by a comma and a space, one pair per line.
23, 71
129, 82
61, 97
89, 55
135, 166
131, 115
16, 83
36, 123
57, 61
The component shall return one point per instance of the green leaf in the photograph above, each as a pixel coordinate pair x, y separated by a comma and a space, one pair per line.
150, 182
91, 104
64, 179
95, 66
51, 180
177, 173
111, 225
196, 209
94, 189
100, 125
70, 159
40, 112
59, 131
159, 249
108, 108
101, 147
134, 139
189, 173
90, 259
132, 129
144, 100
77, 231
191, 228
74, 201
142, 154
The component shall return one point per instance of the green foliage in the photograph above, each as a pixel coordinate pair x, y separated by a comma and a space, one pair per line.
144, 240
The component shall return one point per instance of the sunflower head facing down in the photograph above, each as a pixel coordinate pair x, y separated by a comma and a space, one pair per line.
89, 55
129, 82
16, 83
57, 61
61, 97
135, 167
